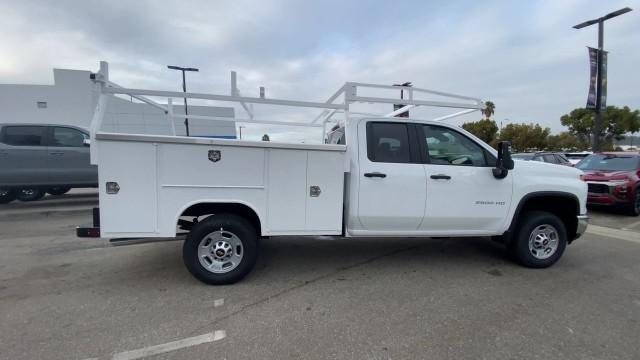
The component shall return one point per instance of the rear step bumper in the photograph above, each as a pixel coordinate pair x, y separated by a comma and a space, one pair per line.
92, 231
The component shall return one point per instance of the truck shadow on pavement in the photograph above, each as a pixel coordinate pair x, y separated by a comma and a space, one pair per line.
301, 260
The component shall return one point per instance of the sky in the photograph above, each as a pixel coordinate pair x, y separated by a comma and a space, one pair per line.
522, 55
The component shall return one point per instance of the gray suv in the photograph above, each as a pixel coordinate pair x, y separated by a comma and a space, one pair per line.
36, 159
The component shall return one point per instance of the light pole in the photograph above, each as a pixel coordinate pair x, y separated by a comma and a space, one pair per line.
600, 21
184, 89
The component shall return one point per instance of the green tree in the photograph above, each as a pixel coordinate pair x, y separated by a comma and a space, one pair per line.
615, 122
565, 141
525, 137
485, 129
489, 109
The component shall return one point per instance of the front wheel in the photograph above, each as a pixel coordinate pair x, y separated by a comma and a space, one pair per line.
30, 194
7, 195
220, 250
633, 208
540, 240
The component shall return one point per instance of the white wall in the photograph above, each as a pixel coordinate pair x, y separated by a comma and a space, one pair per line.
72, 99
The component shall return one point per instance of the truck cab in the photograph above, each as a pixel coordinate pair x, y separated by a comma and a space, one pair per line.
420, 178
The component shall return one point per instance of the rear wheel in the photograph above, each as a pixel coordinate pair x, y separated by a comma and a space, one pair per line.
7, 195
58, 190
30, 194
221, 250
539, 241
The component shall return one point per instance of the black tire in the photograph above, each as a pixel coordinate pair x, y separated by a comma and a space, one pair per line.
58, 190
233, 228
538, 221
7, 195
633, 209
30, 194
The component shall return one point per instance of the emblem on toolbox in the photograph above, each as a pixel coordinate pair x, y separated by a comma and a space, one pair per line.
215, 155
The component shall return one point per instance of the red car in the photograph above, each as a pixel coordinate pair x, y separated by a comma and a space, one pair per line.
613, 179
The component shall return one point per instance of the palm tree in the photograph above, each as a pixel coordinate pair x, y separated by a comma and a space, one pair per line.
489, 109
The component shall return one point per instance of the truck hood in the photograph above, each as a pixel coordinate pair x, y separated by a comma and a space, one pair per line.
606, 175
552, 170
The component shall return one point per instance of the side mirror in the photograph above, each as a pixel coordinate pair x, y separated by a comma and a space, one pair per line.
86, 142
504, 163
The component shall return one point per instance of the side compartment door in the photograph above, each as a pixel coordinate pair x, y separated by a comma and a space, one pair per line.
392, 183
464, 196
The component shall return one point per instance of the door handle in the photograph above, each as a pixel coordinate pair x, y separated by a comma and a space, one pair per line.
375, 174
56, 153
441, 177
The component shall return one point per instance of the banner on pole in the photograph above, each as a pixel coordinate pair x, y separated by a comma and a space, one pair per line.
603, 89
593, 62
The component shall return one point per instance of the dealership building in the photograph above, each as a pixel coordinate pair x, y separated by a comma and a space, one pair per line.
72, 99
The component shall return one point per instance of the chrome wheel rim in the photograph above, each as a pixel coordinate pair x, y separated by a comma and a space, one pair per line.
220, 251
543, 241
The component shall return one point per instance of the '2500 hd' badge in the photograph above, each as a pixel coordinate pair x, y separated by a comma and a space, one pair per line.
215, 155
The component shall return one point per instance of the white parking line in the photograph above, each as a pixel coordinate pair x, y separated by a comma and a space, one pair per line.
614, 233
218, 302
170, 346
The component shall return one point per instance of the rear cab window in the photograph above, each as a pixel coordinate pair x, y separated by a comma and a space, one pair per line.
22, 135
388, 142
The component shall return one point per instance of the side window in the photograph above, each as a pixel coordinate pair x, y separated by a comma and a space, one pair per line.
537, 158
562, 159
388, 142
24, 135
67, 137
550, 158
449, 147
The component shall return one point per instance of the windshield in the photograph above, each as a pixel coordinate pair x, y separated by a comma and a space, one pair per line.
608, 162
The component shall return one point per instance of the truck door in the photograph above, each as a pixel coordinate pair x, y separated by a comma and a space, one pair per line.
23, 155
463, 196
392, 190
68, 157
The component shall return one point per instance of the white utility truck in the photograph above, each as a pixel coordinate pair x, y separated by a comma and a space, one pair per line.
371, 176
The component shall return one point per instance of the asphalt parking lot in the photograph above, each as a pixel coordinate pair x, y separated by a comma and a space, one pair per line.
67, 298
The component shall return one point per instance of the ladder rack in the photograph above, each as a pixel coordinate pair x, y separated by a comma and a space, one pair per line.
338, 103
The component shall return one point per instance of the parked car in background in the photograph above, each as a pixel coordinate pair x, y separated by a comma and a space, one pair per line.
548, 157
36, 159
575, 157
613, 180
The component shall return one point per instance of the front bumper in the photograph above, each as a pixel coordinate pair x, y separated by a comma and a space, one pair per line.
609, 193
583, 222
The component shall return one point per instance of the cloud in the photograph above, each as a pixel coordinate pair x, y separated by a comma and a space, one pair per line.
524, 56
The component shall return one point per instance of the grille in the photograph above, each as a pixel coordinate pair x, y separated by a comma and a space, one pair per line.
598, 188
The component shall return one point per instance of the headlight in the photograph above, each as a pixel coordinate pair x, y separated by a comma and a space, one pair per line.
617, 182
